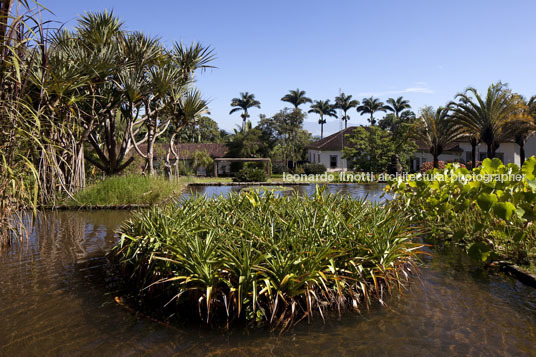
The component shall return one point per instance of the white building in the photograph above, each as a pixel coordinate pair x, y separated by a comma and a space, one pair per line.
508, 152
328, 151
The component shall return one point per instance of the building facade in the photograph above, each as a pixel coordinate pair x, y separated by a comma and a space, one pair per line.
328, 152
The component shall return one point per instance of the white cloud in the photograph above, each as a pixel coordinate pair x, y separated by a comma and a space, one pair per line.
419, 89
425, 90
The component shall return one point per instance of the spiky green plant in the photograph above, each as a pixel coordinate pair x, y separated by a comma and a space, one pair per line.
264, 259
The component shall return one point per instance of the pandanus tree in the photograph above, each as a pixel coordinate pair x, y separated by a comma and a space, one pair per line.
345, 103
244, 102
434, 129
112, 142
192, 58
370, 106
80, 64
296, 98
91, 53
185, 113
91, 93
133, 81
486, 116
166, 85
323, 108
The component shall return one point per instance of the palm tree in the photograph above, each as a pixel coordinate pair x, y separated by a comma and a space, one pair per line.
524, 127
397, 106
345, 103
247, 100
435, 130
323, 107
370, 106
486, 117
296, 98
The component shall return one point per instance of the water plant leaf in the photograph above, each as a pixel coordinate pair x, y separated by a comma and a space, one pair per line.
529, 168
486, 200
491, 165
504, 210
479, 251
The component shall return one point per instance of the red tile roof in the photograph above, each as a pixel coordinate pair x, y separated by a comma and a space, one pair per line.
187, 150
334, 142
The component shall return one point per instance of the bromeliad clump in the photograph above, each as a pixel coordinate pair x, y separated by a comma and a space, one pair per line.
260, 258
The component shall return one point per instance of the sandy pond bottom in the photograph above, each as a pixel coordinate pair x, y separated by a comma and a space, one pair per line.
55, 300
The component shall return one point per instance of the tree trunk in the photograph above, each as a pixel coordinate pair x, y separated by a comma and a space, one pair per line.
5, 7
522, 152
436, 161
149, 160
489, 151
474, 143
321, 129
244, 118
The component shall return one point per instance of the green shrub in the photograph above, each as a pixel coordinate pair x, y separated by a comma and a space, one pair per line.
203, 159
492, 220
278, 168
265, 259
185, 169
236, 166
250, 175
255, 165
314, 169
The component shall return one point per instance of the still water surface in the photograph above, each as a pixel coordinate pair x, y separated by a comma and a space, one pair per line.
56, 299
371, 191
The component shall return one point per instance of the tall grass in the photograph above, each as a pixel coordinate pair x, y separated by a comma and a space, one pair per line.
264, 259
126, 190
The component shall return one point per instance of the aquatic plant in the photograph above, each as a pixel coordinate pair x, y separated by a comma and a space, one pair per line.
490, 210
264, 259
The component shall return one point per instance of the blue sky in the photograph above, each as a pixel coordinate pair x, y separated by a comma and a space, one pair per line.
426, 51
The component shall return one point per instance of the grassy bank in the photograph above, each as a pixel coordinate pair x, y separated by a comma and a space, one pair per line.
208, 179
261, 259
218, 180
126, 190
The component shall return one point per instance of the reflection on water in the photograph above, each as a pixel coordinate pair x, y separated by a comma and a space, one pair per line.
371, 191
56, 299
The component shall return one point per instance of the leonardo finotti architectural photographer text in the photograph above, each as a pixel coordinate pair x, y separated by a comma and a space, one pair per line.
345, 177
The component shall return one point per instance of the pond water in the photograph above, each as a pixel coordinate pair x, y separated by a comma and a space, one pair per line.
371, 191
56, 298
